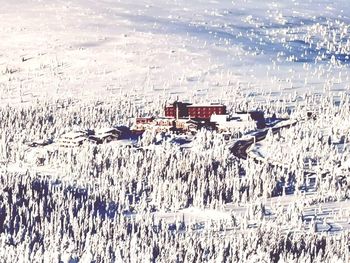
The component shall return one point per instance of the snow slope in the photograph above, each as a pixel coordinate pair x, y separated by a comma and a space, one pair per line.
168, 48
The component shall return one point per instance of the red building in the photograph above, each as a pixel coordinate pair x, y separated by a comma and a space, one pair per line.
144, 120
169, 111
177, 110
205, 111
184, 110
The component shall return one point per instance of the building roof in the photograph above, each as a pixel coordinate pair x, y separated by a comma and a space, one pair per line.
105, 130
214, 104
219, 118
206, 105
177, 102
164, 118
73, 140
74, 135
145, 118
185, 120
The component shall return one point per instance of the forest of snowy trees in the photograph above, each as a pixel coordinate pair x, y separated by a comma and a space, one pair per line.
108, 203
279, 193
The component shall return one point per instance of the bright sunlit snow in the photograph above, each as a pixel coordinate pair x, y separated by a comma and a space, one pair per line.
174, 131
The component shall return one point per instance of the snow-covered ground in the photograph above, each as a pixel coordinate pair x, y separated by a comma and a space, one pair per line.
212, 50
84, 64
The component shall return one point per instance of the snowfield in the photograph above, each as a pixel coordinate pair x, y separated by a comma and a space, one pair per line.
278, 194
203, 49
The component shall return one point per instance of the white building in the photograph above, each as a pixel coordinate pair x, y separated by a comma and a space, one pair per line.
72, 139
235, 124
107, 134
219, 118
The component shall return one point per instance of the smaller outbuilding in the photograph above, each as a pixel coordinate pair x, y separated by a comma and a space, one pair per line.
72, 139
106, 135
39, 143
234, 124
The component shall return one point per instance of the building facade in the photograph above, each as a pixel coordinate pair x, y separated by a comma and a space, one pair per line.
205, 111
180, 110
177, 110
144, 120
72, 139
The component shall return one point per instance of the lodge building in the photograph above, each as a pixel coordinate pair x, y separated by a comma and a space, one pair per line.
179, 110
188, 118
